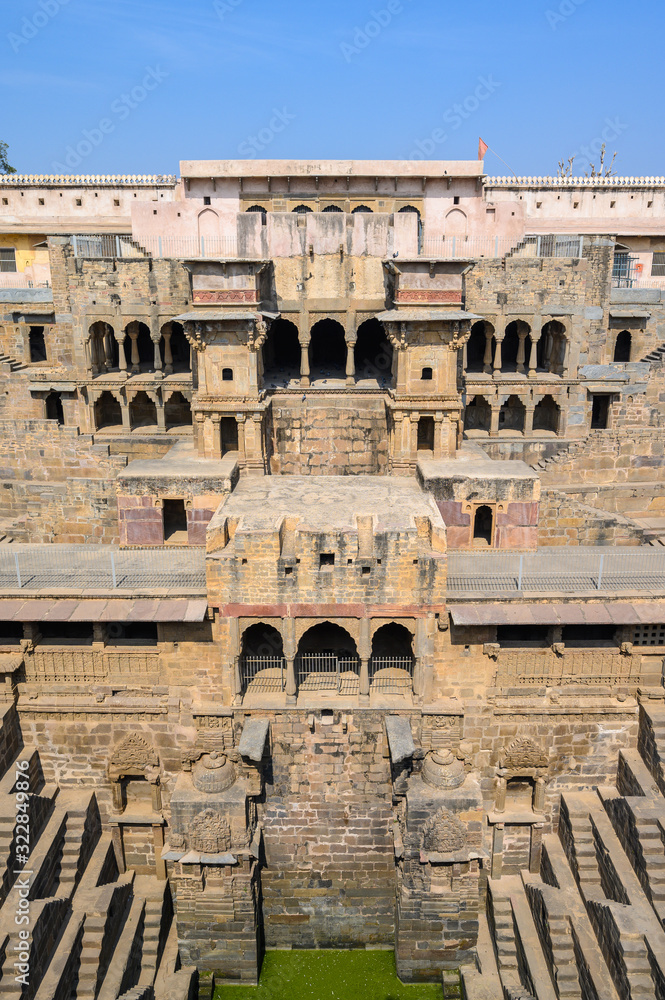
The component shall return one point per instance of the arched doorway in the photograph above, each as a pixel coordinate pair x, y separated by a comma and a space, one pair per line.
373, 353
475, 348
516, 346
208, 232
37, 344
483, 525
546, 415
327, 350
261, 659
478, 415
53, 407
108, 412
391, 663
142, 411
143, 355
552, 347
328, 660
104, 351
281, 354
512, 416
177, 412
622, 346
174, 348
426, 434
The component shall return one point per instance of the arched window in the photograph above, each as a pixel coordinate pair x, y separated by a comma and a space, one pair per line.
227, 374
332, 208
37, 344
483, 523
516, 347
53, 407
262, 659
139, 333
478, 415
262, 210
328, 660
552, 347
142, 411
512, 415
622, 346
475, 349
104, 351
409, 208
177, 411
302, 209
546, 415
373, 353
426, 375
178, 357
108, 412
281, 354
362, 209
391, 664
327, 350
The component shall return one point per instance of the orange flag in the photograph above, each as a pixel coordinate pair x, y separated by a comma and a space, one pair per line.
482, 149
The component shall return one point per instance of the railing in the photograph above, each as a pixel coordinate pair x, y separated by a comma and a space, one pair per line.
17, 279
328, 672
262, 673
466, 247
569, 570
391, 673
100, 567
154, 246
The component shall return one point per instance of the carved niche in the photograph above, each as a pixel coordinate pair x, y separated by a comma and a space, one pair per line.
441, 731
134, 756
444, 833
209, 833
523, 754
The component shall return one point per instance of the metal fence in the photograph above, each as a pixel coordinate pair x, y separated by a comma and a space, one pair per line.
18, 279
262, 673
391, 673
153, 246
328, 672
464, 247
584, 569
100, 567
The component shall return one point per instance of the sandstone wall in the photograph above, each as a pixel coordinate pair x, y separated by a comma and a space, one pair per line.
564, 520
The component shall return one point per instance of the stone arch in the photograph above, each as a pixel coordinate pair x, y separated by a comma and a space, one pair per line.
552, 347
512, 415
262, 210
142, 411
104, 349
177, 411
475, 348
142, 349
53, 407
455, 223
108, 411
328, 660
391, 663
261, 658
327, 350
478, 415
175, 348
281, 353
333, 208
362, 210
483, 525
134, 758
622, 346
514, 354
373, 352
409, 208
547, 415
444, 833
301, 209
208, 225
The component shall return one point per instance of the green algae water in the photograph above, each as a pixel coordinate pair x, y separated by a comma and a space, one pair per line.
330, 975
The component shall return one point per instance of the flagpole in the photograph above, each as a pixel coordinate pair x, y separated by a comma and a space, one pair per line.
489, 148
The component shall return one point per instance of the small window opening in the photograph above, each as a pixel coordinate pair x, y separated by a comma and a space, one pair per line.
11, 633
227, 374
131, 634
519, 793
116, 202
622, 346
53, 407
66, 633
41, 201
426, 374
79, 201
37, 344
366, 570
288, 570
456, 200
326, 559
482, 525
206, 199
600, 412
175, 521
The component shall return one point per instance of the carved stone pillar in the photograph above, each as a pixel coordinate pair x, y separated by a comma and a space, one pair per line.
521, 351
124, 411
501, 788
122, 356
216, 434
497, 851
528, 419
365, 651
199, 436
156, 354
134, 337
161, 414
108, 350
242, 444
290, 655
487, 358
168, 355
350, 362
158, 841
535, 847
497, 355
533, 354
304, 363
539, 796
440, 441
494, 419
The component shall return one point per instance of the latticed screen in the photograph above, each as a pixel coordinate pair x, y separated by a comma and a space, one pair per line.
649, 635
658, 264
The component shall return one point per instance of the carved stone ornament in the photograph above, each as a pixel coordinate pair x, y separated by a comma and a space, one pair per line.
524, 753
214, 772
194, 334
209, 833
444, 833
133, 754
441, 769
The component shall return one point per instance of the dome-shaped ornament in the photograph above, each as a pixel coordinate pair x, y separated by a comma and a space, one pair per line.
441, 769
214, 772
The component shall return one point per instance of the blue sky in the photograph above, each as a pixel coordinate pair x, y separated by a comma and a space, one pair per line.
134, 86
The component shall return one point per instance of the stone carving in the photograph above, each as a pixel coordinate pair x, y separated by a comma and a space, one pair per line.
524, 753
214, 772
441, 731
209, 833
133, 754
444, 833
441, 769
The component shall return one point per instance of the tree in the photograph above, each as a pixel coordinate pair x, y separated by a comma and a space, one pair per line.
601, 170
5, 167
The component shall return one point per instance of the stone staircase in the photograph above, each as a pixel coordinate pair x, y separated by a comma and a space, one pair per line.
9, 365
655, 357
590, 923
